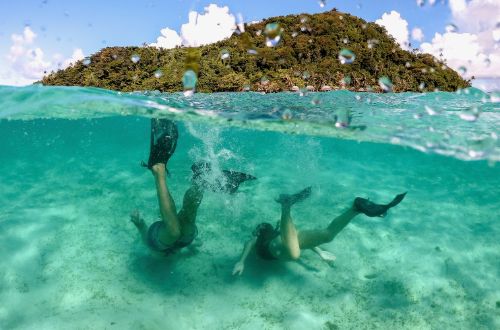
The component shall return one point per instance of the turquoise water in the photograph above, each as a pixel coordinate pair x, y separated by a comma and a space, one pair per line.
70, 176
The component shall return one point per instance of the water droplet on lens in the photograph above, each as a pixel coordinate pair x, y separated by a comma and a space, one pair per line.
420, 3
421, 86
345, 40
189, 80
305, 75
86, 61
158, 73
407, 64
462, 70
346, 80
470, 114
346, 56
451, 28
287, 115
385, 83
372, 43
487, 61
273, 34
322, 3
294, 34
496, 33
303, 19
224, 54
135, 58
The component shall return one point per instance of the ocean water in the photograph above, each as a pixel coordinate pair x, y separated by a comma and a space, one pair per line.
70, 176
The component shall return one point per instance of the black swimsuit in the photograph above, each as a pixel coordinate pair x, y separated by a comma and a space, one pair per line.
264, 239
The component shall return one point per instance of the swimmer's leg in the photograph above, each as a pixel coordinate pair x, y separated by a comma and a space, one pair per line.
289, 234
309, 239
187, 215
172, 230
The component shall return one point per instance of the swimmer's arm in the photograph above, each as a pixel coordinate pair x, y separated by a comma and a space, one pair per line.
324, 255
240, 265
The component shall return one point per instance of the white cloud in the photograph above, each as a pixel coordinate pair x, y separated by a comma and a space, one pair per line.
168, 39
396, 26
75, 57
27, 63
473, 46
417, 34
215, 24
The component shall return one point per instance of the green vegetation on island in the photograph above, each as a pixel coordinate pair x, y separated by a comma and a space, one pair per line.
302, 51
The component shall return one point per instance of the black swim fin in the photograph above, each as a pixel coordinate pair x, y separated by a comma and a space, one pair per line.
289, 200
227, 183
163, 142
363, 205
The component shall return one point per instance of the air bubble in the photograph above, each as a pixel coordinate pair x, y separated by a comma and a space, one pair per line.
322, 3
135, 58
158, 74
421, 86
420, 3
346, 56
345, 40
462, 70
86, 61
470, 114
385, 83
487, 61
408, 64
273, 34
294, 34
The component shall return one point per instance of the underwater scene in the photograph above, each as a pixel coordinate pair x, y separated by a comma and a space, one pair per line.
71, 177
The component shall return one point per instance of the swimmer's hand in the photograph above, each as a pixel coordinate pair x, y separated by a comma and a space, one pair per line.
326, 256
238, 268
135, 217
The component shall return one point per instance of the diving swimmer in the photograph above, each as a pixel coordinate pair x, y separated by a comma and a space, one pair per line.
176, 230
285, 242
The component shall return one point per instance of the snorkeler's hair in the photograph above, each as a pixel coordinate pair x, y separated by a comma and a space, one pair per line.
262, 228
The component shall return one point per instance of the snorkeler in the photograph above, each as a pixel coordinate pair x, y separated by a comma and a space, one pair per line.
285, 242
177, 230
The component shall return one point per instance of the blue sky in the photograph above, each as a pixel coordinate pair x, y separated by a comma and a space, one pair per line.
63, 26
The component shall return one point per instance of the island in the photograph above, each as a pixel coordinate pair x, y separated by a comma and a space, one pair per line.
306, 52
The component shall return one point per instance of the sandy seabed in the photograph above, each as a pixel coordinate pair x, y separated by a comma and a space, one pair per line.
71, 259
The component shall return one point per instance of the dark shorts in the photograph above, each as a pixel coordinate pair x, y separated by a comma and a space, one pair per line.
156, 245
